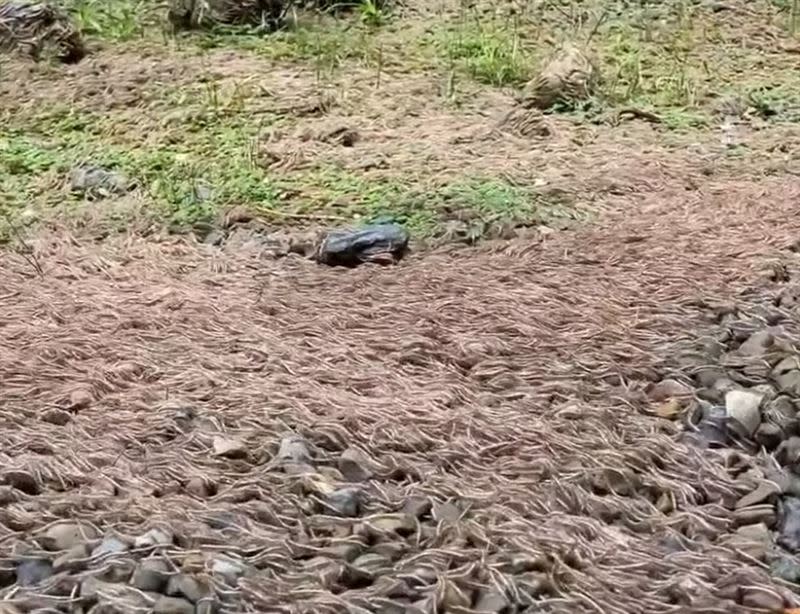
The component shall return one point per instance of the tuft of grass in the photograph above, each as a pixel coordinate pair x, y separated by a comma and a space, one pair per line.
121, 20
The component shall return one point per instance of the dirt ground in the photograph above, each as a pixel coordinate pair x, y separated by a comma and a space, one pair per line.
189, 427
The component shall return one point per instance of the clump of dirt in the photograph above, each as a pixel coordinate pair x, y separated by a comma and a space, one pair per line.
40, 30
569, 76
187, 14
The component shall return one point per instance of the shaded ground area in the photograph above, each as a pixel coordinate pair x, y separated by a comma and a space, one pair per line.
502, 385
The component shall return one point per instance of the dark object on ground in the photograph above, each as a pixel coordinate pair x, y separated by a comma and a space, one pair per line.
188, 14
39, 30
95, 181
380, 243
789, 524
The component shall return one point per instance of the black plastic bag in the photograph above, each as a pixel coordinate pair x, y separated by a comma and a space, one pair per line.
379, 243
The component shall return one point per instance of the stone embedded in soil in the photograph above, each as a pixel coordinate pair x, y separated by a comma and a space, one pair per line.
111, 545
769, 435
63, 536
73, 559
757, 344
490, 601
744, 407
33, 571
59, 417
418, 507
228, 567
667, 389
97, 181
197, 487
344, 502
184, 585
172, 605
80, 398
229, 448
151, 575
789, 524
402, 524
24, 481
294, 450
354, 465
753, 540
153, 537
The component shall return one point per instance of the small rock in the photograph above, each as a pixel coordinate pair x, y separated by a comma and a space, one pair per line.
744, 407
762, 599
229, 448
402, 524
23, 481
354, 465
207, 605
151, 576
80, 398
228, 567
59, 417
184, 585
64, 536
111, 545
379, 244
788, 453
789, 524
293, 449
33, 571
446, 512
97, 182
667, 389
73, 559
757, 344
172, 605
344, 502
769, 436
753, 540
154, 537
788, 382
418, 507
490, 600
197, 487
785, 568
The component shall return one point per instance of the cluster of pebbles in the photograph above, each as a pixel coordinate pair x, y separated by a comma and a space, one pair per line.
738, 394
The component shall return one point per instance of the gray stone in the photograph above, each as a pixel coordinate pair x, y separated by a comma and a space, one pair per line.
229, 448
757, 344
111, 545
354, 466
744, 407
785, 568
184, 585
228, 567
753, 540
789, 524
153, 537
97, 181
73, 559
294, 450
344, 502
63, 536
59, 417
769, 435
152, 575
33, 571
172, 605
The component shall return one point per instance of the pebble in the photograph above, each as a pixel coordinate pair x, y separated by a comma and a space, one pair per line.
354, 465
669, 388
228, 567
151, 575
769, 435
344, 502
23, 481
72, 559
197, 487
172, 605
110, 545
153, 537
757, 344
789, 524
80, 398
229, 448
33, 571
184, 585
744, 407
64, 536
417, 506
753, 540
59, 417
293, 449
